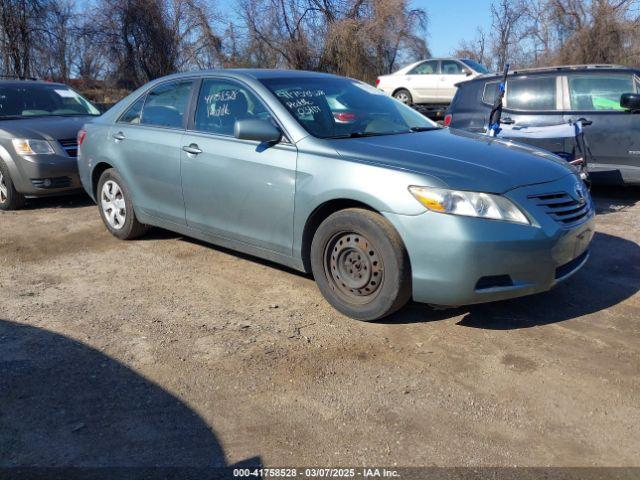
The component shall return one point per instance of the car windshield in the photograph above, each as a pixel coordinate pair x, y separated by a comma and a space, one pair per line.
344, 108
37, 100
478, 67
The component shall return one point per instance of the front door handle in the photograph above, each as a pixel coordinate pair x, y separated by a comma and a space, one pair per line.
585, 121
507, 121
193, 149
119, 136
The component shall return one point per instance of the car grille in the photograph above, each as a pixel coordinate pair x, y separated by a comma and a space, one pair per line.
70, 145
562, 207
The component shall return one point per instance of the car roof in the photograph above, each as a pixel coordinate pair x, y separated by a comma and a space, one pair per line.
256, 73
15, 82
555, 69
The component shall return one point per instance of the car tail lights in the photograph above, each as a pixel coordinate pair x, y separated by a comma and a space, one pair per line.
447, 119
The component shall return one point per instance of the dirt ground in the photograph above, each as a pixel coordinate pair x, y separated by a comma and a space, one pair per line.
166, 351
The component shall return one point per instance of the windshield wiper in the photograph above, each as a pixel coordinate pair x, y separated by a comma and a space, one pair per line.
364, 134
424, 129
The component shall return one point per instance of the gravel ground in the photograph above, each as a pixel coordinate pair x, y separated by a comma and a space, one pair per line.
166, 351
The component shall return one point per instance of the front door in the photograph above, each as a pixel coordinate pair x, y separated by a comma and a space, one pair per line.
238, 189
148, 140
451, 73
613, 134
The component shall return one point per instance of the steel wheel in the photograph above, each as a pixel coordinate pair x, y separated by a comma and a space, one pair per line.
113, 204
403, 97
353, 267
4, 192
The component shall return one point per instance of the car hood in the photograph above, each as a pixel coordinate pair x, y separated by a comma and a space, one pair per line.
462, 160
49, 128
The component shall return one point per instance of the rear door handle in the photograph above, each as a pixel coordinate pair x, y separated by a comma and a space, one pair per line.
507, 121
193, 149
119, 136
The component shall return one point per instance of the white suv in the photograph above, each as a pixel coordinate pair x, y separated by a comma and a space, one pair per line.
430, 81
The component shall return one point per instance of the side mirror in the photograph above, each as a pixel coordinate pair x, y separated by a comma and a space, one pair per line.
466, 71
256, 129
630, 101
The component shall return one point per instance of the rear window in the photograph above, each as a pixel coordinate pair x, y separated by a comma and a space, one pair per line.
533, 94
490, 92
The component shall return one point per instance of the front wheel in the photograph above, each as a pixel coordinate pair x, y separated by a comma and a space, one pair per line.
361, 265
116, 207
10, 198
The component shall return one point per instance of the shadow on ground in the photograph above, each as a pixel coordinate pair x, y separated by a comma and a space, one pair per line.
63, 403
611, 276
78, 200
612, 199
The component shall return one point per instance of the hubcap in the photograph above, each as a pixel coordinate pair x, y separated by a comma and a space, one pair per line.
353, 266
3, 189
113, 205
403, 97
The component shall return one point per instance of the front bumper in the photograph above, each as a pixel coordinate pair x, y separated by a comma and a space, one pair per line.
459, 260
52, 175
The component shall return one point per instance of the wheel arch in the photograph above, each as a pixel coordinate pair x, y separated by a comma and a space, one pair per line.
317, 216
96, 173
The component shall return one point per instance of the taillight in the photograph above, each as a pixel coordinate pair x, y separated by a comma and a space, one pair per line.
377, 81
81, 136
447, 119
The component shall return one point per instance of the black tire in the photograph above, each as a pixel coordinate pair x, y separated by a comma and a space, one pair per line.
10, 198
129, 228
368, 252
404, 96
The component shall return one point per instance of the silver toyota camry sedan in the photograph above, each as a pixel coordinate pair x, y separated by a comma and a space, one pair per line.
329, 176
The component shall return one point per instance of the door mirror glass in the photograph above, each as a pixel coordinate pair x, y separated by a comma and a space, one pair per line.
256, 129
630, 101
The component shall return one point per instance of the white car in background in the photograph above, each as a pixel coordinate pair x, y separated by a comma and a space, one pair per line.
430, 81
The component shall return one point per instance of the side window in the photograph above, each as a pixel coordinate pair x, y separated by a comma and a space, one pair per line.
167, 104
490, 92
599, 91
133, 114
221, 103
535, 93
426, 68
449, 67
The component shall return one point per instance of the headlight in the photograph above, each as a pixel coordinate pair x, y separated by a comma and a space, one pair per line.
32, 147
470, 204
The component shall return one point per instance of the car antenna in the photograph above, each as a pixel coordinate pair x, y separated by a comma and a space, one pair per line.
496, 112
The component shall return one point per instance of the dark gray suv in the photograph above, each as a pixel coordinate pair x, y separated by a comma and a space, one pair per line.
605, 96
39, 122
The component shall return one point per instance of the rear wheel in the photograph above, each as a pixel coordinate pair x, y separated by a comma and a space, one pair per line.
10, 198
403, 96
116, 207
360, 264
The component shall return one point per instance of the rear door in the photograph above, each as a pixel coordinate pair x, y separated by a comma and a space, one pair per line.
451, 73
535, 100
423, 82
614, 134
147, 140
